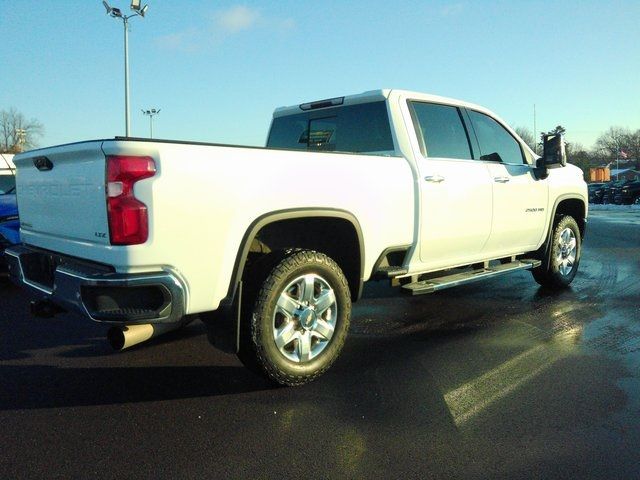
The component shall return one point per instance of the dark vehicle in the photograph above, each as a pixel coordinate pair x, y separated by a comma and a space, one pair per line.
615, 195
596, 196
609, 191
593, 188
602, 194
629, 194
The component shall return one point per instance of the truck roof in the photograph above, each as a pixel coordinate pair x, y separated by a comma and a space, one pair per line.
7, 167
371, 96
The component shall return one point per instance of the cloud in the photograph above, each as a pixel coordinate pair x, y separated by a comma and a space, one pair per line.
187, 40
236, 19
223, 24
452, 10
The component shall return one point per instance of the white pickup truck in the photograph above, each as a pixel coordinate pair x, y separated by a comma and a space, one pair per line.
270, 246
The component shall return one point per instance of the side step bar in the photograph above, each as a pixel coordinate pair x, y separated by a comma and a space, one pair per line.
391, 271
440, 283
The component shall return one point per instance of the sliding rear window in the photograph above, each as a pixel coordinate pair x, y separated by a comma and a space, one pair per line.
362, 128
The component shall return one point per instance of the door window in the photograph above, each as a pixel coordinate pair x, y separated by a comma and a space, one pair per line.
496, 143
443, 133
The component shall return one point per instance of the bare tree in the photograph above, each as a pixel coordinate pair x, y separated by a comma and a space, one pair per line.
634, 147
16, 132
609, 144
526, 135
580, 157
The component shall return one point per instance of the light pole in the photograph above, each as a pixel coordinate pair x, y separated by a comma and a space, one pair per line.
117, 13
150, 113
21, 133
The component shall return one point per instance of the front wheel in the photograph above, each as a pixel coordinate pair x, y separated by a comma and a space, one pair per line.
299, 320
560, 264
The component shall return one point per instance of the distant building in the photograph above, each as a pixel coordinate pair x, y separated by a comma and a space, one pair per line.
599, 174
628, 174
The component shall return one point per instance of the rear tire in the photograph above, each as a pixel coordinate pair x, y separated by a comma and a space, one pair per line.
296, 324
560, 264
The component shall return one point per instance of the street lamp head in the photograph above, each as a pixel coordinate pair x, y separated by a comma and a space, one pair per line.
117, 13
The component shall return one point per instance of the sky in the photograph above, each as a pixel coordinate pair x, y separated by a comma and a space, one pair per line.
217, 69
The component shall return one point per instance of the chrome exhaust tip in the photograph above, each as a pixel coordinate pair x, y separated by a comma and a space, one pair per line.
121, 338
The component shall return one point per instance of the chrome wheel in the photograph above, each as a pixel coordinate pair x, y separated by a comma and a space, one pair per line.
305, 318
566, 253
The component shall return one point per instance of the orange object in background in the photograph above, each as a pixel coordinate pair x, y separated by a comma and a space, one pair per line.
599, 174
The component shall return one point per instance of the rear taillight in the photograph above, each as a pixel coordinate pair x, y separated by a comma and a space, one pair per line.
128, 220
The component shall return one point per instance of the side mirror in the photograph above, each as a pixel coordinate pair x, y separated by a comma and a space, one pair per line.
540, 171
554, 154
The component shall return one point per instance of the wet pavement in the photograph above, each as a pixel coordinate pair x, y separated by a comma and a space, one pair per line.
499, 379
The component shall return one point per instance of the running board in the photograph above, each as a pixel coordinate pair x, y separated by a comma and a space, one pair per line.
391, 271
440, 283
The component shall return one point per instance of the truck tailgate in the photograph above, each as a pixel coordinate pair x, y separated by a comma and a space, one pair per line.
61, 192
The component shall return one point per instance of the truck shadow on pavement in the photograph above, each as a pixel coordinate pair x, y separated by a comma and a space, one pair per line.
40, 386
42, 370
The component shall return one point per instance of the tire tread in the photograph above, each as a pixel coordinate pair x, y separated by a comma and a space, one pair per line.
258, 357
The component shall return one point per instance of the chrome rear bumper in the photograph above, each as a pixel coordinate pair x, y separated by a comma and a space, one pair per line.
97, 291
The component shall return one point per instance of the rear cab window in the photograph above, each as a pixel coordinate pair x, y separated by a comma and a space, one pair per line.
360, 128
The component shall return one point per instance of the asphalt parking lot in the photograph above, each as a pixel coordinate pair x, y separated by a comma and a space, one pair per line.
499, 379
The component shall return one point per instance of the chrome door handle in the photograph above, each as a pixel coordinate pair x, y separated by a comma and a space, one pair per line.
501, 179
434, 178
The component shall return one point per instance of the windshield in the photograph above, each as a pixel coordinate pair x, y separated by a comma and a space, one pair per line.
7, 184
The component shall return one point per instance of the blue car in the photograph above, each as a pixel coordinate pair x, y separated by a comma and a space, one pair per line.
9, 233
9, 223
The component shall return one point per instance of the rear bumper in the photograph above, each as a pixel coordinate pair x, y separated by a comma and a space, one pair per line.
95, 290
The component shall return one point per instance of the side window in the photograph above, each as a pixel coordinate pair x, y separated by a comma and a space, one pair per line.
442, 130
496, 143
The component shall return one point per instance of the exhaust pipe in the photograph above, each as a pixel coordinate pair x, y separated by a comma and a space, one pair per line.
125, 337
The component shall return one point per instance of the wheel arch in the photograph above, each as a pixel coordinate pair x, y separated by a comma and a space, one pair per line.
571, 205
354, 273
568, 204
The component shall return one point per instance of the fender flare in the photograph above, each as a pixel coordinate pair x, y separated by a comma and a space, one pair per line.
544, 248
288, 214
